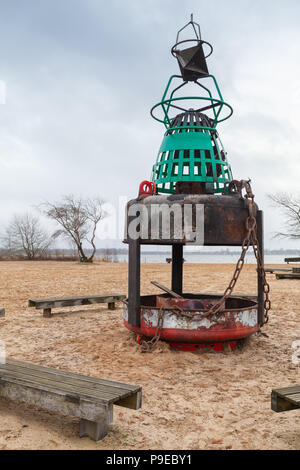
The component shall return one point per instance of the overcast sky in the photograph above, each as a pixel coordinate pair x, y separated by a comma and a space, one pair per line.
82, 75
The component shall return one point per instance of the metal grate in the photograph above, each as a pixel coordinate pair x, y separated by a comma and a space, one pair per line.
191, 151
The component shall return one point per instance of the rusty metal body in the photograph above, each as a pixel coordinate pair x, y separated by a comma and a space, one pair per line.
186, 303
237, 321
192, 198
224, 218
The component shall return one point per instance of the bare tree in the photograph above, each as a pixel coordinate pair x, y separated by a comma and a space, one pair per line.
290, 207
78, 219
24, 235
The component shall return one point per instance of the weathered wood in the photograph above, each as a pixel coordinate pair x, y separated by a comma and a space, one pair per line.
279, 270
90, 399
134, 402
54, 400
285, 399
115, 390
47, 313
2, 312
287, 276
47, 304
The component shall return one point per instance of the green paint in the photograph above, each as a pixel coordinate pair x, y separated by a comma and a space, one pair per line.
191, 151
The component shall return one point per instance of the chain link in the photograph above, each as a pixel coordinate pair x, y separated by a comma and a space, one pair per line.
148, 346
250, 239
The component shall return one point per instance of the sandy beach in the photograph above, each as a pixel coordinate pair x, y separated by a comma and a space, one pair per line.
202, 400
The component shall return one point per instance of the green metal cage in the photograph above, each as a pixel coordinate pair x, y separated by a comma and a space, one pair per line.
191, 150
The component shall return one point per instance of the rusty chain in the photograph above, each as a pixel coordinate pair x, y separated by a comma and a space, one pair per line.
250, 239
148, 346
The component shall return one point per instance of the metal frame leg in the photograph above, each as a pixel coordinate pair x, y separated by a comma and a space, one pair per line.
177, 268
134, 282
260, 288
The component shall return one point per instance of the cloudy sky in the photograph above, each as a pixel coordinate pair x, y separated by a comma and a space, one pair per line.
82, 75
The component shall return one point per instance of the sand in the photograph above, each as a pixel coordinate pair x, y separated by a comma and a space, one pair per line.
190, 400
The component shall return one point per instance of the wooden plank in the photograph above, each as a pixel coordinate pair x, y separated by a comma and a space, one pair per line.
58, 387
278, 270
64, 374
288, 390
287, 276
102, 297
116, 392
295, 398
2, 312
72, 382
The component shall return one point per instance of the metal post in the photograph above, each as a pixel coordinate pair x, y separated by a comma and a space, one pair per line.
177, 268
260, 288
134, 282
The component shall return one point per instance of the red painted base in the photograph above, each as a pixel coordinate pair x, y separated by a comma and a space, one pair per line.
196, 347
218, 347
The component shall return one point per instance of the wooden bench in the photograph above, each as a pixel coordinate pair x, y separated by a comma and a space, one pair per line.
285, 399
278, 270
88, 398
2, 312
47, 304
284, 273
292, 260
291, 275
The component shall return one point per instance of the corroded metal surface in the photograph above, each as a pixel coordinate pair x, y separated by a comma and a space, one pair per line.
224, 217
186, 304
237, 321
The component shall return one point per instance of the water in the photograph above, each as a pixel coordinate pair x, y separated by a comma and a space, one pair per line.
203, 258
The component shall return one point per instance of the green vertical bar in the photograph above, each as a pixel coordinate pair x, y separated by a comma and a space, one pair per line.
180, 164
203, 164
192, 163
